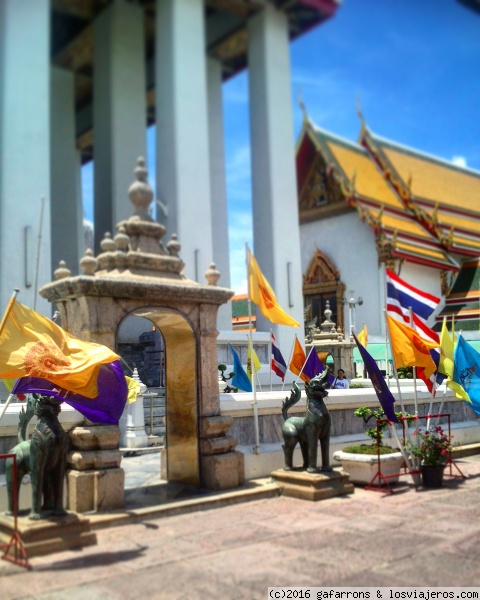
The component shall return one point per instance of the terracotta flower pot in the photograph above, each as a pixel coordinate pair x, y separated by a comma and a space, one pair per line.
432, 476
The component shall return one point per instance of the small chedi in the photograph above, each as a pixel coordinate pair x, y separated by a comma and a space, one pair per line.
44, 457
307, 430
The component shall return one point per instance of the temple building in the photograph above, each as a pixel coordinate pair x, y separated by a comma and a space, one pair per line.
80, 80
376, 203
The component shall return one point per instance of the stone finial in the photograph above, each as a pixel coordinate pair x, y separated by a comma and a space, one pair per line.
88, 263
62, 271
122, 240
107, 244
140, 193
173, 245
212, 275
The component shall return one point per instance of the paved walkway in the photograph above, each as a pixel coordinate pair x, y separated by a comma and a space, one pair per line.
409, 538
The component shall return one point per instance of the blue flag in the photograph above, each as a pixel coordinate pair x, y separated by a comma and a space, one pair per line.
466, 371
380, 386
241, 379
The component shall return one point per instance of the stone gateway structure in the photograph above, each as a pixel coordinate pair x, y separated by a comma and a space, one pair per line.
136, 275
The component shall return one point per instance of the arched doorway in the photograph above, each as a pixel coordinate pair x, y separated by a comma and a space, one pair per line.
321, 283
180, 393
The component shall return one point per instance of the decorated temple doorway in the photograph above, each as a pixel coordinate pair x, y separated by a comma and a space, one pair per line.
321, 284
177, 368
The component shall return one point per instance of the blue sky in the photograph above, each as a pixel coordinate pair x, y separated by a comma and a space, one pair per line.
413, 64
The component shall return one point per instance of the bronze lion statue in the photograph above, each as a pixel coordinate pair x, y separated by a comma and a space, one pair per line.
44, 456
307, 430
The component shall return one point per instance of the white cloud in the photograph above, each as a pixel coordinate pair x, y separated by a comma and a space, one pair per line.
460, 161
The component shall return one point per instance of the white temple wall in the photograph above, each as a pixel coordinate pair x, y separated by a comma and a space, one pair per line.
68, 242
274, 187
220, 243
183, 156
350, 245
118, 111
24, 149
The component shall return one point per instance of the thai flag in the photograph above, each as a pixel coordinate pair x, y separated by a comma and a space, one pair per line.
277, 363
401, 296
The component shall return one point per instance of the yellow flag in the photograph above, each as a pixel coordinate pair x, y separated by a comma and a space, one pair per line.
252, 356
298, 360
445, 365
409, 349
362, 337
133, 389
264, 297
32, 345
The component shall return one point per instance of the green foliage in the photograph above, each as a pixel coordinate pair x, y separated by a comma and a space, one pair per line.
369, 449
222, 368
376, 433
405, 372
354, 385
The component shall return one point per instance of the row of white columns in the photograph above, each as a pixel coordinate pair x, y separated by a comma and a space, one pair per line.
38, 156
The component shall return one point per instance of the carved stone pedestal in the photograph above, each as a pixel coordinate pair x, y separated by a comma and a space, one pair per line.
221, 466
95, 479
49, 535
313, 486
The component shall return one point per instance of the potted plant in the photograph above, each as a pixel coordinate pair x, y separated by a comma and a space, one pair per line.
361, 461
222, 380
433, 449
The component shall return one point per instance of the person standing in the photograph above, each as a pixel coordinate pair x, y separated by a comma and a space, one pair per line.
340, 383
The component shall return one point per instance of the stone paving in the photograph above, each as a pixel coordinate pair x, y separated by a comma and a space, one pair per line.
409, 538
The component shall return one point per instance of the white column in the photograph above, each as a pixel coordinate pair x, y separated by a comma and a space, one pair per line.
183, 170
132, 421
66, 206
274, 194
24, 149
221, 252
119, 111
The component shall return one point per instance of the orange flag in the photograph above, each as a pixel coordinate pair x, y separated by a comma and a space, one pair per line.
264, 297
409, 349
33, 346
298, 360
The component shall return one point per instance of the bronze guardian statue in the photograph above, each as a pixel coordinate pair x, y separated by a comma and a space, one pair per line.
307, 430
44, 456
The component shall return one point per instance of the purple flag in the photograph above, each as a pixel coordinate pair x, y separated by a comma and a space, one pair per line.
105, 409
384, 395
314, 366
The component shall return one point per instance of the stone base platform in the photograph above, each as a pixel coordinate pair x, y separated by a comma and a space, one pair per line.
313, 486
50, 535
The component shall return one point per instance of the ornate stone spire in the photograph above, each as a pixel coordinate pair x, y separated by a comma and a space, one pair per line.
140, 193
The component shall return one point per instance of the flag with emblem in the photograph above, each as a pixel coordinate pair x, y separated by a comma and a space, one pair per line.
264, 297
33, 346
114, 390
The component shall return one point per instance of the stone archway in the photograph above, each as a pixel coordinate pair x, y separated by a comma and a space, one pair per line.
136, 275
182, 444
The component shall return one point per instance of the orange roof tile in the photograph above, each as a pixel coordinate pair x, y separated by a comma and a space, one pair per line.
369, 182
435, 180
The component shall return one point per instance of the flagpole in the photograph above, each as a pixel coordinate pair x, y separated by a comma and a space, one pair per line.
5, 406
39, 245
270, 357
395, 372
306, 360
414, 368
289, 361
256, 448
387, 369
8, 309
